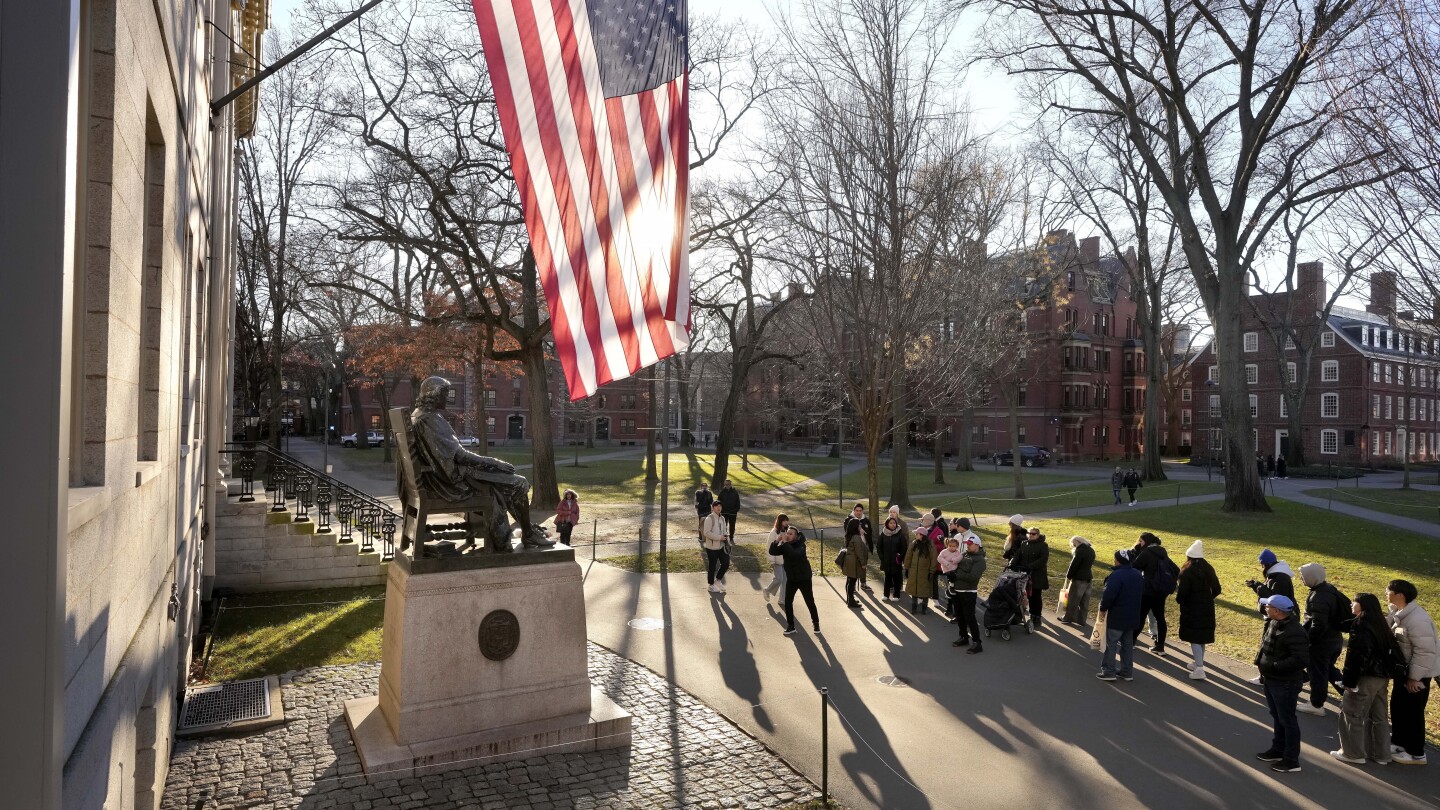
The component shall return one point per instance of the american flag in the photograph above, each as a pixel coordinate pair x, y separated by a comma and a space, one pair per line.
594, 104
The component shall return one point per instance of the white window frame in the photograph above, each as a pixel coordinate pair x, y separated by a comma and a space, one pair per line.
1284, 408
1185, 395
1213, 374
1289, 343
1290, 371
1214, 406
1375, 406
1330, 371
1186, 417
1389, 373
1252, 374
1251, 341
1329, 442
1254, 405
1330, 401
1389, 407
1327, 339
1374, 372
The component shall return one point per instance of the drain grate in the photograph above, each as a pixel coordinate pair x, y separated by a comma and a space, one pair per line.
226, 703
647, 623
893, 680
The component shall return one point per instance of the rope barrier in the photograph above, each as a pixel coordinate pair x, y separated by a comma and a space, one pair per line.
1349, 495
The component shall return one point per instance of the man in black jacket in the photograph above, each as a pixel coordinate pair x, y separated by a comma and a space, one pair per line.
1151, 560
790, 547
730, 506
1278, 581
703, 498
1327, 614
1284, 654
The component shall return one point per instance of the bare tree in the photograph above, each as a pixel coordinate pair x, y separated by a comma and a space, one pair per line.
1232, 109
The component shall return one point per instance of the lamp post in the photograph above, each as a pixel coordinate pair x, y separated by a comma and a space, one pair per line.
325, 438
252, 424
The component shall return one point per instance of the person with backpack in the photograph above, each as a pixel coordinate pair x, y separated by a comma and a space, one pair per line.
1371, 659
1327, 614
858, 525
1117, 480
1132, 483
857, 553
1414, 631
730, 507
1161, 575
1278, 582
1196, 589
703, 499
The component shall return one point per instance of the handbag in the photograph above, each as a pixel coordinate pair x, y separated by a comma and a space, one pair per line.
840, 558
1064, 599
1097, 637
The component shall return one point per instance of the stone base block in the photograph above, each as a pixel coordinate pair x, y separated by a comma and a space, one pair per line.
605, 726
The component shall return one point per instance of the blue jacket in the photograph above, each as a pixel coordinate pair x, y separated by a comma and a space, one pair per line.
1124, 590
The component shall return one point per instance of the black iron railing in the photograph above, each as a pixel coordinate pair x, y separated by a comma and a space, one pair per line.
307, 493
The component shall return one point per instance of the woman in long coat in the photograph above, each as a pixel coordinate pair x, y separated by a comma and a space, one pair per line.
919, 565
857, 556
1195, 592
891, 547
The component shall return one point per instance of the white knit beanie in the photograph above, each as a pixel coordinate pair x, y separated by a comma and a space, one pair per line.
1017, 520
1196, 550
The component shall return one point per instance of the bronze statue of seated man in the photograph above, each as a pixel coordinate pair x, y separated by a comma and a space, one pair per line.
457, 474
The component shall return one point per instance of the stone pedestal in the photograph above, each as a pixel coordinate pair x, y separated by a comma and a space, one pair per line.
483, 660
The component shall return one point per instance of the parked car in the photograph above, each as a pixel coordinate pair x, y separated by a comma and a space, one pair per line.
374, 437
469, 441
1030, 456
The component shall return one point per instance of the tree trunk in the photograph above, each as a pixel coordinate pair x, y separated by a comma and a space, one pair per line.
652, 472
384, 392
277, 394
1015, 460
939, 454
872, 479
544, 480
1151, 467
482, 430
684, 394
358, 409
1242, 479
728, 414
967, 416
899, 447
1294, 418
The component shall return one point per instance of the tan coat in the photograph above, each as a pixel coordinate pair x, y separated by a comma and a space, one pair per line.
919, 564
856, 556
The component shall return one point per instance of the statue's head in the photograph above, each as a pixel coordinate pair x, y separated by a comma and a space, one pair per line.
434, 393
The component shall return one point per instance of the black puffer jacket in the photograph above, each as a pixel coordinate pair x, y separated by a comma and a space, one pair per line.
1082, 564
1365, 655
729, 501
797, 564
1195, 592
1284, 651
1033, 557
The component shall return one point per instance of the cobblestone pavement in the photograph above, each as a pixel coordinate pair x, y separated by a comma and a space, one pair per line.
684, 755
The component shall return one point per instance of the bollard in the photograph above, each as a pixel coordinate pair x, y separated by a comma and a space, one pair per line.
973, 516
824, 746
1177, 494
822, 552
1077, 504
1328, 502
594, 532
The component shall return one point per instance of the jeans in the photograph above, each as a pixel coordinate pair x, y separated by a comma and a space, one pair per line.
894, 582
1123, 642
1407, 717
1322, 669
1153, 604
803, 586
1281, 697
965, 617
777, 580
1364, 728
1197, 652
716, 559
1118, 642
1116, 490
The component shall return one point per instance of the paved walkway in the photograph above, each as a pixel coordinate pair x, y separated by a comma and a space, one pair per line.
1025, 724
684, 755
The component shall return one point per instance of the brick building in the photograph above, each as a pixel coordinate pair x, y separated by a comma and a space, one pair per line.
1083, 394
1372, 395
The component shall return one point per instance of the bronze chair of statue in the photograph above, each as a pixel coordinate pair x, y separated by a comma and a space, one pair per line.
483, 514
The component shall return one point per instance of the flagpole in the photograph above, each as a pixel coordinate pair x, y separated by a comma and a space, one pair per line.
665, 470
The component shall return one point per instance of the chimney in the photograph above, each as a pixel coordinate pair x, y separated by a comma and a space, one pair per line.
796, 290
1435, 311
1310, 285
1382, 294
1090, 250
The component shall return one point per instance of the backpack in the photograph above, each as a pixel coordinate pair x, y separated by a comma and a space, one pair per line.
1162, 578
1394, 663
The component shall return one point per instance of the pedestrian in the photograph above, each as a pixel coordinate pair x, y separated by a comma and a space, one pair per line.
1327, 615
1117, 480
947, 560
1260, 466
891, 545
715, 541
730, 507
1033, 557
567, 514
1154, 563
857, 525
1279, 580
777, 561
1120, 611
857, 556
1415, 632
1364, 727
1132, 483
935, 530
1195, 592
966, 583
1270, 466
1078, 577
919, 563
1284, 653
1016, 534
791, 548
1280, 467
894, 512
703, 499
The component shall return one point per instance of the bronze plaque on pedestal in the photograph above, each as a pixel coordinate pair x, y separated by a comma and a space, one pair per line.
499, 635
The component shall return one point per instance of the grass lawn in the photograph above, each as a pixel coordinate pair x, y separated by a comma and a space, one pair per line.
270, 633
1412, 503
1083, 494
922, 481
614, 480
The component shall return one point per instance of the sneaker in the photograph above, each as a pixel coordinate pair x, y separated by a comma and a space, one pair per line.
818, 633
1158, 650
975, 650
1197, 674
1405, 758
1269, 756
1318, 711
959, 643
1397, 749
1381, 761
713, 589
1257, 680
1286, 766
1102, 676
1340, 755
1125, 677
1193, 665
789, 632
720, 585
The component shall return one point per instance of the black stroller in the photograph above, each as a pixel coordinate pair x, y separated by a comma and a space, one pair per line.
1008, 604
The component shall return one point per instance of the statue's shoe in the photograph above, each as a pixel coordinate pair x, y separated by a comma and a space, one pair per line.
536, 539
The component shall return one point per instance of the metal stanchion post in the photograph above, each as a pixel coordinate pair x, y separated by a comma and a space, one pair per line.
822, 552
825, 746
1177, 494
594, 536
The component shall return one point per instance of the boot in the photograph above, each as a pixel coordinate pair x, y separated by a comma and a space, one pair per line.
975, 649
